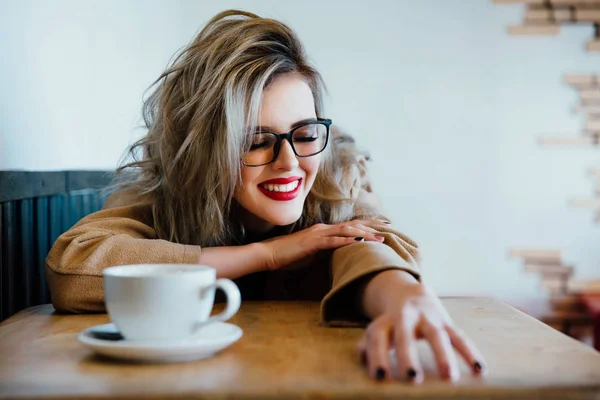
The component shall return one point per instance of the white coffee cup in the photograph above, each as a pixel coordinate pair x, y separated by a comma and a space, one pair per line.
160, 302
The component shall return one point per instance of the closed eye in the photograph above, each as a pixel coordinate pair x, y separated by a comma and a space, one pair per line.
260, 145
305, 139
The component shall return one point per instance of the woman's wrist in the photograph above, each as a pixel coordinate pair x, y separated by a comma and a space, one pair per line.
264, 254
387, 289
236, 261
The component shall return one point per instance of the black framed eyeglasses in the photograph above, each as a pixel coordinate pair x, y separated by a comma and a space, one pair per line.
307, 139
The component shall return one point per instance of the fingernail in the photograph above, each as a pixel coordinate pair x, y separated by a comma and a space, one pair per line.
387, 222
411, 374
478, 367
447, 372
379, 237
363, 358
380, 374
359, 239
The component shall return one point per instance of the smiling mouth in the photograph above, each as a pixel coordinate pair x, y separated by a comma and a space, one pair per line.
281, 191
281, 188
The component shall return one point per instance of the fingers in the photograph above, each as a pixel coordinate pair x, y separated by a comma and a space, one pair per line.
374, 225
467, 350
406, 352
377, 342
381, 222
347, 230
334, 242
366, 229
373, 350
442, 350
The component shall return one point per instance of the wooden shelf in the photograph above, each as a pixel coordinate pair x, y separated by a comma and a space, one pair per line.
584, 286
593, 45
582, 141
594, 172
554, 2
566, 303
593, 127
547, 29
549, 269
590, 103
590, 95
589, 110
561, 15
594, 134
585, 202
585, 81
548, 16
573, 2
556, 286
587, 15
544, 17
537, 254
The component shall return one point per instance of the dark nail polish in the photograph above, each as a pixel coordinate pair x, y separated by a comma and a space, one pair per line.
380, 374
411, 374
359, 239
478, 367
114, 336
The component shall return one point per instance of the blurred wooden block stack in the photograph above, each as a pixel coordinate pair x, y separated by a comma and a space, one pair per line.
545, 17
571, 306
588, 86
561, 308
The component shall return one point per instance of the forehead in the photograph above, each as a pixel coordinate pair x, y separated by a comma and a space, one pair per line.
287, 100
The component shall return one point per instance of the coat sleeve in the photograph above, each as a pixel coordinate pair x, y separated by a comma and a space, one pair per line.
112, 236
351, 264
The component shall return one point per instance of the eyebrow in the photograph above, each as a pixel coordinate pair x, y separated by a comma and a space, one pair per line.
294, 125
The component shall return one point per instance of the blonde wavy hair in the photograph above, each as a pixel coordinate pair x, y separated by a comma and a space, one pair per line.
188, 163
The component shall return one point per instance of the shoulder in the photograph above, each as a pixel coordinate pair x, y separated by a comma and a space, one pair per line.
127, 197
351, 160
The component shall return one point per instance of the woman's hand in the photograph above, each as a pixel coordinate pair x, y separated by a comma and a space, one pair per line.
284, 250
416, 313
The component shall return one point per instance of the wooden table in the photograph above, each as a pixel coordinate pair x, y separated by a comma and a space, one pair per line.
284, 353
592, 304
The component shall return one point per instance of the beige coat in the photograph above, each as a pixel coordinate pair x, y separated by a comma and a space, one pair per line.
124, 234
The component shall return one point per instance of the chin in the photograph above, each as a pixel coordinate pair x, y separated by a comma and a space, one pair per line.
283, 220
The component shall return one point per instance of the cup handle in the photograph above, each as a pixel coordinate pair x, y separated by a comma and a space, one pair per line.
232, 293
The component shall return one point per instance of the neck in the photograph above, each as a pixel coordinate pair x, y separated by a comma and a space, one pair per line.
254, 223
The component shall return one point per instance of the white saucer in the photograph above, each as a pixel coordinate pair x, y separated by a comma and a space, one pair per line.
204, 344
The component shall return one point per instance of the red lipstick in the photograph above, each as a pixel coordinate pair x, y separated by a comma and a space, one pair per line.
282, 181
281, 196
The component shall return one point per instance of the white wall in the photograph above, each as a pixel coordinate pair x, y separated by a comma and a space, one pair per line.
449, 105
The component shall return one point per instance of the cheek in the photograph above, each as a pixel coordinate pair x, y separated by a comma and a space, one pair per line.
249, 176
311, 167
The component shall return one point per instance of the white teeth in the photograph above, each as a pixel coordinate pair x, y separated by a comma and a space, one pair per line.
282, 188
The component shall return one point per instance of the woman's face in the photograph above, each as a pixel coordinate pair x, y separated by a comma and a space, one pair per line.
286, 101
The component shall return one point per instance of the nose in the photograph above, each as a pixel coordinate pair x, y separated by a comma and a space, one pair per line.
286, 159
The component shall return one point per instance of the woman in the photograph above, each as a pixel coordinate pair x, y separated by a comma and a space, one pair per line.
240, 171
